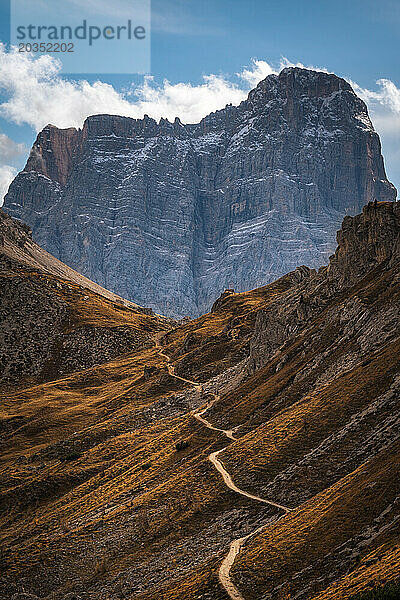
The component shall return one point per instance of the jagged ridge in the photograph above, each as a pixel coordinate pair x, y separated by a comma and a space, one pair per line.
169, 215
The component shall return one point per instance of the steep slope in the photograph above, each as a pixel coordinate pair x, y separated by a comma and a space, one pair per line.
53, 320
108, 484
319, 422
169, 215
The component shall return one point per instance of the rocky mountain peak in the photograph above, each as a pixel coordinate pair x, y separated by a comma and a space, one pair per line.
302, 92
53, 152
297, 82
170, 215
312, 83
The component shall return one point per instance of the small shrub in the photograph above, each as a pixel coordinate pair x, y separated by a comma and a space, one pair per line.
72, 455
285, 594
390, 591
149, 371
181, 445
101, 566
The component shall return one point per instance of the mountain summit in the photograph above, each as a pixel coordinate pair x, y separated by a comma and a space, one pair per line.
168, 215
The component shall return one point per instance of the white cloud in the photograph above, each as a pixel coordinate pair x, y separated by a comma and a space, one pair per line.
259, 71
7, 174
10, 150
37, 94
190, 102
383, 103
285, 62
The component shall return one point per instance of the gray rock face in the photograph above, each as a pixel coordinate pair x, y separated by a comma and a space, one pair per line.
367, 244
169, 215
54, 321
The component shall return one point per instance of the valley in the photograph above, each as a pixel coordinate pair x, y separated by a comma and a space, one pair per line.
226, 565
251, 453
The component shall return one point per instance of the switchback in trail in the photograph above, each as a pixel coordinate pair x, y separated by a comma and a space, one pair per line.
236, 545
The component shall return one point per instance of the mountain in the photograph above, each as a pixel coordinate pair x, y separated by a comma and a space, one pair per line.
168, 215
252, 453
54, 320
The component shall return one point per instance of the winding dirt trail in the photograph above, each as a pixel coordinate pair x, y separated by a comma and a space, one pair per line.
237, 544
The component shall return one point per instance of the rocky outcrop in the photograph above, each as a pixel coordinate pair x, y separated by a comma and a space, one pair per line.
169, 214
53, 153
51, 325
367, 243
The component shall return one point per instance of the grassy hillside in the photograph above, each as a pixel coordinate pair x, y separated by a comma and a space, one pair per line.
107, 491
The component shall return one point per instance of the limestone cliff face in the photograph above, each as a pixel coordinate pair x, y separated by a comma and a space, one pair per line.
53, 153
368, 247
169, 214
54, 321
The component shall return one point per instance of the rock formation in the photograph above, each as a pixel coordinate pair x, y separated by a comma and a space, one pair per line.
168, 215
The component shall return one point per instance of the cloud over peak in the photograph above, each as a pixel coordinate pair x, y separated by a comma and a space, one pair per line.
10, 152
36, 94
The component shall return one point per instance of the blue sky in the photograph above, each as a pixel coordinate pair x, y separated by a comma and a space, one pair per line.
193, 40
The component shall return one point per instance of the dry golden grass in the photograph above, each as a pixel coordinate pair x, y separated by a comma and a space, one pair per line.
315, 531
139, 475
54, 410
132, 483
378, 567
293, 431
268, 391
241, 306
91, 309
220, 339
194, 585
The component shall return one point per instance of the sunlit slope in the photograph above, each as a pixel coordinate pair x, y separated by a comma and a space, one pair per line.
106, 486
336, 544
323, 393
221, 338
92, 481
